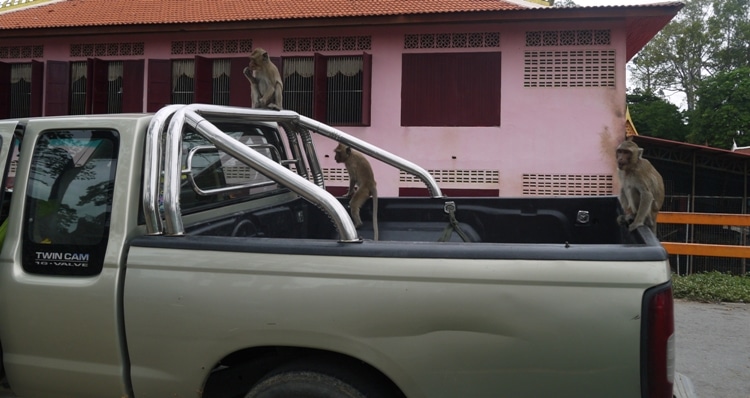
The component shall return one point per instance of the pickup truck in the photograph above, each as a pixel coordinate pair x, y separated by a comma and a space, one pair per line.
196, 252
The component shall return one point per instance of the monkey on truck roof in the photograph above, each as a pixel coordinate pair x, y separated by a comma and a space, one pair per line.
266, 85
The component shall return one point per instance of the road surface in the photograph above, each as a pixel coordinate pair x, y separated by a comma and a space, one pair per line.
713, 348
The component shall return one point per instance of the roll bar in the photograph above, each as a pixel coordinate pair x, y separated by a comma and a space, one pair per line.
294, 124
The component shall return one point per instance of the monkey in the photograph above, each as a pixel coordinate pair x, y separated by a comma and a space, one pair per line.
642, 187
266, 85
362, 178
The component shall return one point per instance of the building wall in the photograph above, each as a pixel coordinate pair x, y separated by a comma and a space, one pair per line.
551, 141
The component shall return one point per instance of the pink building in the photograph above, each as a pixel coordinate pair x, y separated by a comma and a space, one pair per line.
494, 97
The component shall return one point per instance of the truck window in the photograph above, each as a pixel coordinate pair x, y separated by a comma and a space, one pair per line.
69, 201
216, 176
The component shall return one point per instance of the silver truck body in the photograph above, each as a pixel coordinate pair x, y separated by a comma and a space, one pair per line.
173, 311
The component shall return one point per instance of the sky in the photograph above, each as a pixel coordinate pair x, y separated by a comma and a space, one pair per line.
677, 99
587, 3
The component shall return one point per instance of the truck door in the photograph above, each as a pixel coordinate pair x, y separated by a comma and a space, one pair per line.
56, 293
8, 157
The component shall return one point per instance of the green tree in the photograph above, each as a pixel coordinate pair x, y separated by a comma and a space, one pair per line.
675, 60
730, 21
564, 3
656, 117
723, 111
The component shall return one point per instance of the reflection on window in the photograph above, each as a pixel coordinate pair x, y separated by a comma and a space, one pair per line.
217, 176
70, 187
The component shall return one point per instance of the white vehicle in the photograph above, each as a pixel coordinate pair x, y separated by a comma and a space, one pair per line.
196, 253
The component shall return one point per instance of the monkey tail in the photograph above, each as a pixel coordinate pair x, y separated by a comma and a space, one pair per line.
375, 215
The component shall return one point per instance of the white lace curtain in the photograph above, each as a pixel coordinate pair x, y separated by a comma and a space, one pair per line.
20, 72
347, 66
301, 66
77, 71
305, 67
115, 70
182, 67
221, 67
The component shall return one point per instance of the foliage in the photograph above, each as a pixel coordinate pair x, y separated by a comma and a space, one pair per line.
564, 3
731, 23
657, 117
702, 54
723, 111
675, 59
712, 287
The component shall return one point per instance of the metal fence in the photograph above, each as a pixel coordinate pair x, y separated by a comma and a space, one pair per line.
345, 82
183, 81
20, 90
707, 234
221, 71
114, 87
78, 80
298, 84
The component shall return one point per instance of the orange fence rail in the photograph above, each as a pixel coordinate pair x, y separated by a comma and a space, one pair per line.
700, 249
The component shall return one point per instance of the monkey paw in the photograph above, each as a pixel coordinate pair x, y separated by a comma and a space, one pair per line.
625, 219
634, 226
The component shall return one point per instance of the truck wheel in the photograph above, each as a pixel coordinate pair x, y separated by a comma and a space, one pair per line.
316, 381
303, 384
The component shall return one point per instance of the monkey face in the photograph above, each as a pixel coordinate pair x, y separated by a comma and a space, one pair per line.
623, 158
626, 155
257, 57
341, 153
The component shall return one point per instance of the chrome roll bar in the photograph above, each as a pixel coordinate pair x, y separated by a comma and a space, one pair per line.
373, 151
294, 124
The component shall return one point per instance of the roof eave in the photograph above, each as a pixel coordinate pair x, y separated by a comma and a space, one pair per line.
642, 22
648, 140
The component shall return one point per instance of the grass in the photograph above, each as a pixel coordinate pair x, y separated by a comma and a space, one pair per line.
712, 287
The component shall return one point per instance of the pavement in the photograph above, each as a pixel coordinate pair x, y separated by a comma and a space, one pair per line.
713, 347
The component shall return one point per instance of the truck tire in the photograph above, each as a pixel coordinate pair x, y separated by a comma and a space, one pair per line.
303, 384
311, 380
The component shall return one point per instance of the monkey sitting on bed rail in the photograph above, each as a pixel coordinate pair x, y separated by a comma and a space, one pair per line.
641, 187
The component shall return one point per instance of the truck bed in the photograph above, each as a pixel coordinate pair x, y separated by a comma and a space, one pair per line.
528, 228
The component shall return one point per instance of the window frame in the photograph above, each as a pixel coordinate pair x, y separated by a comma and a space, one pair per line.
192, 201
320, 91
160, 82
35, 94
73, 255
451, 89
